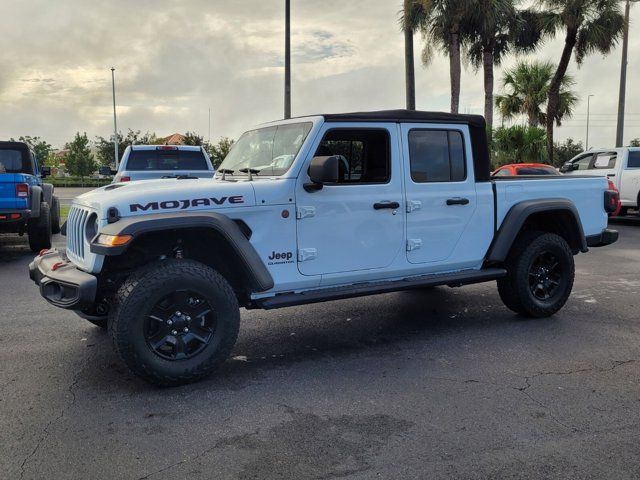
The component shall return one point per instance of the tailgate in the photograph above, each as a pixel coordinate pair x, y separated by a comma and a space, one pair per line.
8, 198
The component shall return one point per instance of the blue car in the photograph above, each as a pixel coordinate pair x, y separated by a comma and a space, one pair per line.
27, 204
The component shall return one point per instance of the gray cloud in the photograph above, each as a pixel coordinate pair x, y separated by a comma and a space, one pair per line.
176, 59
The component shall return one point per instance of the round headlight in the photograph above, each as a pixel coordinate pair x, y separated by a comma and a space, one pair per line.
91, 229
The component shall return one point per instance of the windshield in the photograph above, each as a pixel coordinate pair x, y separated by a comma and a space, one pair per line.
270, 151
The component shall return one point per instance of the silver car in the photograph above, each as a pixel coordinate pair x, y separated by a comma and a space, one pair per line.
145, 162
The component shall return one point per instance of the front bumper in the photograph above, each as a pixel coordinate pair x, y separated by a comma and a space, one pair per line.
607, 237
62, 283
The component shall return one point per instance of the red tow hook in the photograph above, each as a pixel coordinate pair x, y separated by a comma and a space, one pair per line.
43, 251
57, 265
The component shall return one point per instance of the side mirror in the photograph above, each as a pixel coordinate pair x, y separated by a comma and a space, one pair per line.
568, 167
106, 171
322, 170
45, 172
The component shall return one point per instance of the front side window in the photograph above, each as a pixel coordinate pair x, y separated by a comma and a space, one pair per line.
364, 154
583, 162
605, 160
270, 150
437, 156
634, 160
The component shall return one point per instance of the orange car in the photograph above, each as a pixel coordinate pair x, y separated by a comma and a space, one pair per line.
514, 169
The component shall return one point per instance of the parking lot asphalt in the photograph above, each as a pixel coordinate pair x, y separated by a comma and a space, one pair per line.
67, 194
441, 383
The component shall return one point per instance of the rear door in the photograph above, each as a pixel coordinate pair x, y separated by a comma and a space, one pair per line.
440, 190
629, 185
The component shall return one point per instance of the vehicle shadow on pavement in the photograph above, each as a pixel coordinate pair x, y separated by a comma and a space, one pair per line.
345, 329
14, 247
631, 220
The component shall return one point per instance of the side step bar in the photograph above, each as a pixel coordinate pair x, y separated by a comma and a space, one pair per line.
456, 279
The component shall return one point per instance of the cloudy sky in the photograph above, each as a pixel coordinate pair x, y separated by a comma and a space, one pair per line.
175, 59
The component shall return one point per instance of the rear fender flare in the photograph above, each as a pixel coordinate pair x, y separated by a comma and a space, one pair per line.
516, 217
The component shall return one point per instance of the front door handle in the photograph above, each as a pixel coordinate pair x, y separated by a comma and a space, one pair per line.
391, 205
611, 174
458, 201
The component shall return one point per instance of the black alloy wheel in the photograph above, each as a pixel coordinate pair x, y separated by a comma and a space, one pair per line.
545, 276
180, 325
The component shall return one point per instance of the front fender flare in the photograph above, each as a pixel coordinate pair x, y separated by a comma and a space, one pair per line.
138, 225
516, 217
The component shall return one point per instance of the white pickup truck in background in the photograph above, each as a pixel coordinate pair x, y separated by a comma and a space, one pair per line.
621, 165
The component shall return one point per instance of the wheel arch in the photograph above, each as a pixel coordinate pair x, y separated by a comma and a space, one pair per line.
558, 216
210, 238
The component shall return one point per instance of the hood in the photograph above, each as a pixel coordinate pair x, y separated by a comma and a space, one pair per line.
168, 195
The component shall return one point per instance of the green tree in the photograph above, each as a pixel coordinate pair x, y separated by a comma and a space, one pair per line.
497, 27
79, 160
444, 27
527, 86
191, 138
589, 26
218, 151
41, 148
104, 146
565, 151
518, 144
635, 142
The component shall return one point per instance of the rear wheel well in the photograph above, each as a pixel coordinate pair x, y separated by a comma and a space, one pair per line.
560, 222
205, 245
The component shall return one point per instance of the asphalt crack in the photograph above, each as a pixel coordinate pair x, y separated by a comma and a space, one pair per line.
46, 431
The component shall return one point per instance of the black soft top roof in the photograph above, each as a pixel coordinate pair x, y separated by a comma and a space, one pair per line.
476, 123
14, 146
407, 116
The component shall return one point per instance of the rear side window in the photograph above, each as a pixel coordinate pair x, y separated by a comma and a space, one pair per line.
605, 160
146, 160
634, 160
13, 161
437, 156
364, 154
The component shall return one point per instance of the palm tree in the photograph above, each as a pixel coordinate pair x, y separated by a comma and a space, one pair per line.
498, 27
520, 143
445, 29
589, 26
412, 17
528, 86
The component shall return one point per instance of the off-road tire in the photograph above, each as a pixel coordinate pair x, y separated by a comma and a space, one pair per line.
138, 295
55, 215
515, 289
39, 229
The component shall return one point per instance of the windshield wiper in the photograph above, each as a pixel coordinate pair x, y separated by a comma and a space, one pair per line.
250, 172
224, 172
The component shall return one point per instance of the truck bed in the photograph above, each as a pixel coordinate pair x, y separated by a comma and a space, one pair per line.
586, 192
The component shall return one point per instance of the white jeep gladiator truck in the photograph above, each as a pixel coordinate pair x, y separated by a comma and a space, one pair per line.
309, 210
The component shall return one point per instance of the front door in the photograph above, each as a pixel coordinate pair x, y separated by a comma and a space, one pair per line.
356, 224
440, 190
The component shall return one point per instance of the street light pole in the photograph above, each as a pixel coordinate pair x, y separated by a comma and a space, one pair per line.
287, 60
586, 142
115, 123
623, 77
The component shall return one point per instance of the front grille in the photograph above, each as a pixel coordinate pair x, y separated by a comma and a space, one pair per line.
76, 228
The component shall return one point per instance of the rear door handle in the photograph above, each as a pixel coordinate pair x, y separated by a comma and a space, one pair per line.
611, 174
391, 205
458, 201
